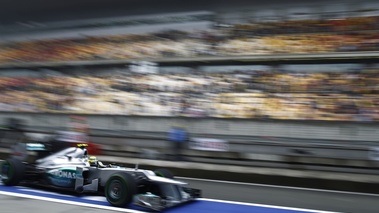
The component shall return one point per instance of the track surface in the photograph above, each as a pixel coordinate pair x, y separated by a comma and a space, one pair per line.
251, 193
289, 196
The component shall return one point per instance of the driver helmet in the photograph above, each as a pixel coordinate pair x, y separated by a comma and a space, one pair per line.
92, 160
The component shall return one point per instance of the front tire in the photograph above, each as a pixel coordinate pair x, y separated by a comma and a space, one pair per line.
12, 172
120, 189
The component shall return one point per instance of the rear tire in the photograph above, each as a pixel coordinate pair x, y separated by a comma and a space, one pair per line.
12, 172
164, 173
120, 189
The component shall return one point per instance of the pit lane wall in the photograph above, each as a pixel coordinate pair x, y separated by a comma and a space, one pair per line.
252, 141
318, 130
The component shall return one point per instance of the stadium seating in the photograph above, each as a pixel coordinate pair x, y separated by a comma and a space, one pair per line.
265, 95
306, 36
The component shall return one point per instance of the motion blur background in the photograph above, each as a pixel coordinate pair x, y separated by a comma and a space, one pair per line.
283, 84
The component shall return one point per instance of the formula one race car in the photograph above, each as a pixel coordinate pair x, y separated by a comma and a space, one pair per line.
72, 169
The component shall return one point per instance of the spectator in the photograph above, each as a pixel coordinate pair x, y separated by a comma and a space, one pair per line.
177, 137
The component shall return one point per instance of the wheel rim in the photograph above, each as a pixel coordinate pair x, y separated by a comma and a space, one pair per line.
115, 189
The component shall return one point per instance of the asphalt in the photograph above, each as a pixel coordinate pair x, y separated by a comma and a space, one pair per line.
290, 197
251, 193
10, 204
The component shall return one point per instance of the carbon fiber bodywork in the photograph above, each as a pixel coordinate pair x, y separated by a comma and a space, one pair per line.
69, 169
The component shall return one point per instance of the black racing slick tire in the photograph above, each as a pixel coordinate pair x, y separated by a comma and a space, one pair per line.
12, 172
120, 189
164, 173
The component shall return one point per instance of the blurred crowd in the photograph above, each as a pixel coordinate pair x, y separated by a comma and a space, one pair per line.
344, 96
296, 36
325, 95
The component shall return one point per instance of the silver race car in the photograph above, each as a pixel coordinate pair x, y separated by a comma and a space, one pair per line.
73, 170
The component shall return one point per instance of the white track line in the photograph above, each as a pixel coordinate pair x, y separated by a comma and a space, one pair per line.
268, 206
136, 211
70, 202
281, 187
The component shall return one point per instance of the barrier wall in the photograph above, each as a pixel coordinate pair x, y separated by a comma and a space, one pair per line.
337, 146
340, 131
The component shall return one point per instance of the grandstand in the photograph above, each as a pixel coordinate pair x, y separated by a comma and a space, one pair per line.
288, 86
287, 89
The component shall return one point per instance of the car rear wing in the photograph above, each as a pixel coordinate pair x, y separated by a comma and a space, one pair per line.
27, 151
